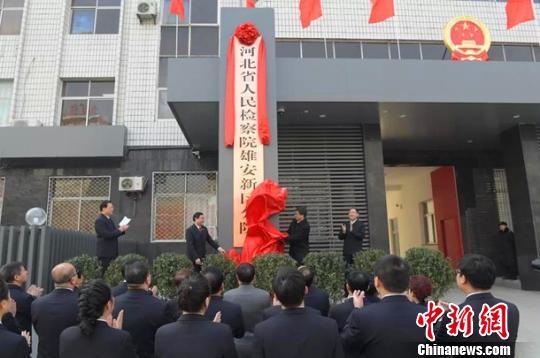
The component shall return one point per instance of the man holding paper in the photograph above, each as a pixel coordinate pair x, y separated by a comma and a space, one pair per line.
107, 234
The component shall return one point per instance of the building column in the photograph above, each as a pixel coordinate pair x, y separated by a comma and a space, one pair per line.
376, 190
522, 163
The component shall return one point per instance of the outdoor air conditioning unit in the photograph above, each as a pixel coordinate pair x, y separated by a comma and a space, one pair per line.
147, 10
131, 184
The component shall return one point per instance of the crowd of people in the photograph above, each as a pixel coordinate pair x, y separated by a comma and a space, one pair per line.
377, 318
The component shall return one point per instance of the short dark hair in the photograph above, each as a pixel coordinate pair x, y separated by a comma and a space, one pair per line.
193, 292
289, 287
197, 215
9, 271
104, 204
308, 273
136, 273
393, 272
215, 279
181, 275
302, 210
358, 281
4, 290
126, 264
245, 273
479, 271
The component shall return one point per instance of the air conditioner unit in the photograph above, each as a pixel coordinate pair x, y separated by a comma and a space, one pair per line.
131, 184
147, 10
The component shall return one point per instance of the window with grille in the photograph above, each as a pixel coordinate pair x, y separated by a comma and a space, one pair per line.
87, 103
176, 196
95, 16
74, 201
6, 89
2, 186
11, 13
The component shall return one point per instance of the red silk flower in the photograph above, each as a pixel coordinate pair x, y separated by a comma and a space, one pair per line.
247, 34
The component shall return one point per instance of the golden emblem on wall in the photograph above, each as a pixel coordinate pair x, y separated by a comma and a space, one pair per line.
468, 39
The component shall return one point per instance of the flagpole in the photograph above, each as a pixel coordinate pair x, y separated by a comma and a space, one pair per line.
396, 32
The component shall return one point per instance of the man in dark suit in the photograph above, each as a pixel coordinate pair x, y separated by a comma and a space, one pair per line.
107, 235
196, 238
295, 332
356, 281
475, 277
122, 287
143, 313
315, 297
194, 336
11, 345
231, 313
58, 310
298, 239
388, 328
352, 233
16, 276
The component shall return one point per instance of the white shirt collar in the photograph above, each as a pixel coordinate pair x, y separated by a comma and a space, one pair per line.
476, 293
352, 222
393, 294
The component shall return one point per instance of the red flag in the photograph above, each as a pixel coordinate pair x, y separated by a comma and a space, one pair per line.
250, 3
177, 8
518, 11
381, 10
309, 10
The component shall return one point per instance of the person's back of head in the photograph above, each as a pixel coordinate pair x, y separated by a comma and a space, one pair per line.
193, 293
476, 272
215, 279
180, 276
420, 287
5, 302
95, 298
289, 286
245, 273
11, 270
308, 273
64, 275
357, 281
126, 264
391, 274
138, 275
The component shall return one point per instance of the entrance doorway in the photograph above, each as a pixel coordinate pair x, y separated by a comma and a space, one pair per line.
423, 210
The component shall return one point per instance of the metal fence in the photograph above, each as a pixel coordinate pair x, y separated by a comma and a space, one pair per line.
40, 248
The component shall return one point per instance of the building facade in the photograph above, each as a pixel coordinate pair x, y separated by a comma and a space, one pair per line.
90, 93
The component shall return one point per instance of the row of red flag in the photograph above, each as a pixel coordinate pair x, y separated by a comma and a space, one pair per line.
517, 11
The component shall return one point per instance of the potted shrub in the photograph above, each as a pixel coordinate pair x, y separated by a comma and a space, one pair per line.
226, 266
165, 267
329, 272
266, 267
113, 275
433, 264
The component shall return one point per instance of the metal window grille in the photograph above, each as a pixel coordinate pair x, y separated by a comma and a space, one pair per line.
2, 187
324, 169
176, 196
74, 201
502, 197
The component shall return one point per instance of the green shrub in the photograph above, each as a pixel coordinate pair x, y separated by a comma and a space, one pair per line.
88, 265
365, 260
266, 267
433, 264
226, 266
113, 275
329, 272
164, 268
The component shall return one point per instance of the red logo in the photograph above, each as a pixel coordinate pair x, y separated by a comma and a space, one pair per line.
468, 39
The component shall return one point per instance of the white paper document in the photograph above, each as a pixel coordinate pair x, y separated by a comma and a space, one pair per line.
125, 221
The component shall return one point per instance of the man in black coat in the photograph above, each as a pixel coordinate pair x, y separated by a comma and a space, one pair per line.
505, 244
298, 239
386, 329
12, 345
231, 313
352, 233
143, 313
315, 297
16, 277
58, 310
295, 332
107, 235
356, 281
196, 238
475, 277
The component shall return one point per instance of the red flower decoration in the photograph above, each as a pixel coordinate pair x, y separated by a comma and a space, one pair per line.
247, 34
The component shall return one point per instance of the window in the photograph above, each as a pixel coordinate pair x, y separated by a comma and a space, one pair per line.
536, 50
348, 49
74, 201
394, 235
375, 50
518, 53
176, 196
409, 51
87, 103
11, 12
313, 49
2, 187
6, 87
435, 51
496, 53
428, 217
287, 48
95, 16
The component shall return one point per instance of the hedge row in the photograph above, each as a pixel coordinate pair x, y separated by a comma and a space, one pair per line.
329, 268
